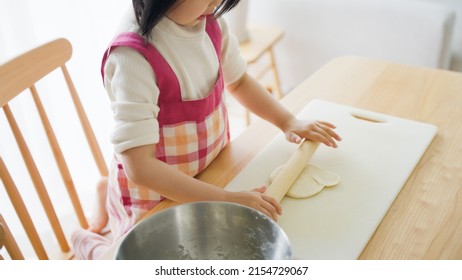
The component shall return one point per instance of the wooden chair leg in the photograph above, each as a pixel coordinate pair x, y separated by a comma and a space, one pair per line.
247, 117
274, 69
10, 243
2, 238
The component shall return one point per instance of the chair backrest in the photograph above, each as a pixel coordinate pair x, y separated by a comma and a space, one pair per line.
7, 240
19, 77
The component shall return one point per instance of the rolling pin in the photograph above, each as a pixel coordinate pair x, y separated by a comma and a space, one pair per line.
289, 173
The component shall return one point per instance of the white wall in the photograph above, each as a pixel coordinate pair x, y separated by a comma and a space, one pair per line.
456, 45
318, 30
88, 24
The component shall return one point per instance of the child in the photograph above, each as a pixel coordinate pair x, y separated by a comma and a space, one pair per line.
165, 74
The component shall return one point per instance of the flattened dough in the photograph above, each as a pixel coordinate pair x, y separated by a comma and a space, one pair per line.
310, 182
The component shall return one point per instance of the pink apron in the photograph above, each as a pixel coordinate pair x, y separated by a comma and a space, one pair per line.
192, 133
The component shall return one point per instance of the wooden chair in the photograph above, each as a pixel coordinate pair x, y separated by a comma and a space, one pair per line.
261, 42
19, 77
7, 240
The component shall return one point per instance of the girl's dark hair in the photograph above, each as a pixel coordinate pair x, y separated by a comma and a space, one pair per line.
149, 12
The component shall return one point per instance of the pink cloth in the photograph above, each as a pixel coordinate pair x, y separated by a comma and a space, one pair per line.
89, 245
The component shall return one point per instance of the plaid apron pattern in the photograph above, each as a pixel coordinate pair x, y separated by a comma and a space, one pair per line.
191, 133
192, 146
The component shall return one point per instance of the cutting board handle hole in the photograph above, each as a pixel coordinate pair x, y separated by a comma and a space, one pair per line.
368, 118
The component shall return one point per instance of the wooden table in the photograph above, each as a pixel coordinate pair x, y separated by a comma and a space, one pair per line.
425, 220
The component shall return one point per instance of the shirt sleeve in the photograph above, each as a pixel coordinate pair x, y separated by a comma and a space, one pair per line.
233, 64
131, 86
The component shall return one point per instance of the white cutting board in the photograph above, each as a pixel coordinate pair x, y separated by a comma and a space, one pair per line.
374, 160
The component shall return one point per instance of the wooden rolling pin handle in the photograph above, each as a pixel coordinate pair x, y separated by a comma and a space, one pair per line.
291, 170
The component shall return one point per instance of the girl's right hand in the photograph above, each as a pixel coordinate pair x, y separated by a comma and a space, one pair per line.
258, 200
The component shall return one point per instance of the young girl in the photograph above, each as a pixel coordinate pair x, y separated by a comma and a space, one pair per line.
165, 74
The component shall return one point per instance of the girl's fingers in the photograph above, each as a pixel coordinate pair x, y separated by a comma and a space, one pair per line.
320, 131
273, 203
261, 202
329, 129
261, 189
267, 213
294, 138
322, 136
268, 206
327, 124
270, 210
324, 133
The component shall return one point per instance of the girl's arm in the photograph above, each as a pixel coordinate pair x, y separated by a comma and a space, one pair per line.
143, 168
258, 100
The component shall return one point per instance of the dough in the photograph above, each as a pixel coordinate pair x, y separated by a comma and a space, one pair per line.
311, 181
292, 168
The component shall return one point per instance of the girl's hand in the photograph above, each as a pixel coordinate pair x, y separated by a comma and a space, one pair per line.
256, 199
318, 131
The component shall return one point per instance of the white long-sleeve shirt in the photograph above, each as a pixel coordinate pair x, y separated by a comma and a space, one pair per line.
131, 83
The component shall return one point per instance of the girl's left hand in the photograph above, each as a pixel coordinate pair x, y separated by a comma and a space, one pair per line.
318, 131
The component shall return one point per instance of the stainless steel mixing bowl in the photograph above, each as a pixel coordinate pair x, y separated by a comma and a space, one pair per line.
206, 231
